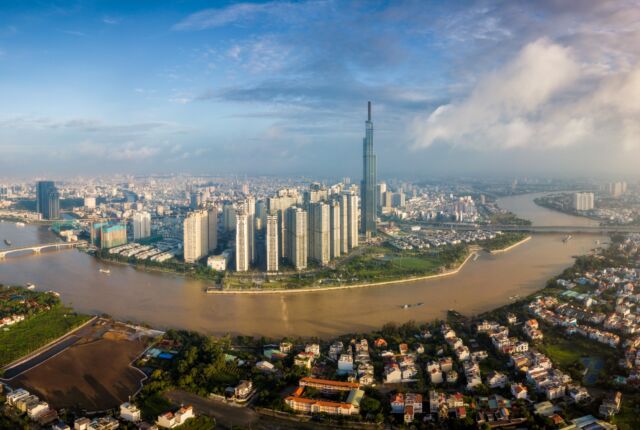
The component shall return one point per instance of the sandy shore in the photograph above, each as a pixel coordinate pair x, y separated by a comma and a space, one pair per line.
510, 247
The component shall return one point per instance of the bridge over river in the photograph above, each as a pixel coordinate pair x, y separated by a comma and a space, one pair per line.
36, 249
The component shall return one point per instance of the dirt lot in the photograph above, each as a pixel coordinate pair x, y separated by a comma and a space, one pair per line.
93, 374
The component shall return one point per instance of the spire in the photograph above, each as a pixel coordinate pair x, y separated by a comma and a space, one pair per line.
369, 107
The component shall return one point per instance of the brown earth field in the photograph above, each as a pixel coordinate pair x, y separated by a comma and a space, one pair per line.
94, 375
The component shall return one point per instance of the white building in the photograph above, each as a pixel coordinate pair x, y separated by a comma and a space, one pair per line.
271, 243
583, 201
242, 242
130, 412
172, 420
141, 225
199, 239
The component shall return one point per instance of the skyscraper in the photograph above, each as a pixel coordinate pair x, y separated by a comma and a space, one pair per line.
344, 223
141, 225
297, 237
196, 238
250, 210
319, 232
47, 200
212, 230
242, 241
271, 243
352, 220
335, 230
368, 187
229, 217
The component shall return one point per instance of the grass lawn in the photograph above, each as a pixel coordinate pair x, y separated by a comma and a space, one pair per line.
153, 405
629, 416
35, 332
416, 263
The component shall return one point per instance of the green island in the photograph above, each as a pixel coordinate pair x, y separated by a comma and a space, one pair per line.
45, 319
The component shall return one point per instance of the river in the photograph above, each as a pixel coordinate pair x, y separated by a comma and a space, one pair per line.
171, 301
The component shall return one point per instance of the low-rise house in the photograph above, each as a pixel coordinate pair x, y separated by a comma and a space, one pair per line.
312, 348
436, 376
345, 363
81, 423
452, 377
519, 391
578, 393
497, 380
304, 359
130, 412
392, 374
243, 390
446, 364
611, 405
397, 403
286, 347
172, 420
265, 366
335, 350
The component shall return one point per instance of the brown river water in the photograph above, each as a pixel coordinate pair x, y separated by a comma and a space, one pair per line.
171, 301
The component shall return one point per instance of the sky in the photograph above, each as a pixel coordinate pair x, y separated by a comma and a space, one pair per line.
459, 88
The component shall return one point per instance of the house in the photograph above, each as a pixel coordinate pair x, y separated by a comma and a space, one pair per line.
345, 363
436, 376
243, 389
392, 374
172, 420
81, 424
408, 414
265, 366
404, 348
446, 364
130, 412
578, 393
611, 405
496, 379
104, 423
519, 391
312, 348
380, 343
335, 350
452, 377
415, 401
60, 426
35, 410
397, 403
305, 359
16, 395
286, 347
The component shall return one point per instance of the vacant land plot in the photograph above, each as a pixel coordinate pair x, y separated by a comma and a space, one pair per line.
93, 374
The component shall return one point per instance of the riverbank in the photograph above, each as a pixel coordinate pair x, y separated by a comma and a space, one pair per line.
510, 247
348, 287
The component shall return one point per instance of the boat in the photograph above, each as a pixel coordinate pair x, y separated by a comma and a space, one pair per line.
7, 242
414, 305
105, 271
567, 239
475, 256
31, 286
20, 224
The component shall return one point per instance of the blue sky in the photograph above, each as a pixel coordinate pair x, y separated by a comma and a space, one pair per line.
506, 88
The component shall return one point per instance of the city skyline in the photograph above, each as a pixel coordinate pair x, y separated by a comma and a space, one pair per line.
265, 88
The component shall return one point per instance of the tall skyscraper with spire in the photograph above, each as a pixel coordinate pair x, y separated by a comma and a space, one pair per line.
368, 186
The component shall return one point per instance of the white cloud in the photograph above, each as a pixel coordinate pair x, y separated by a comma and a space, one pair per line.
544, 97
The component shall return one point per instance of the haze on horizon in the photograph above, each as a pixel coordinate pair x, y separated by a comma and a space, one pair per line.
277, 87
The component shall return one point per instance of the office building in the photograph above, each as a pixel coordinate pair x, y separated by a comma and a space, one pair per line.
271, 243
319, 233
297, 237
47, 200
583, 201
368, 188
242, 241
141, 225
335, 229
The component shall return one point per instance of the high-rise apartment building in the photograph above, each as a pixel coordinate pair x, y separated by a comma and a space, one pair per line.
297, 237
335, 244
229, 217
113, 235
250, 210
242, 241
583, 201
352, 220
90, 202
319, 232
196, 244
47, 200
344, 223
212, 228
141, 225
271, 243
368, 188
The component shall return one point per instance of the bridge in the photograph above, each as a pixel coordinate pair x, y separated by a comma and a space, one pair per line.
569, 229
37, 249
